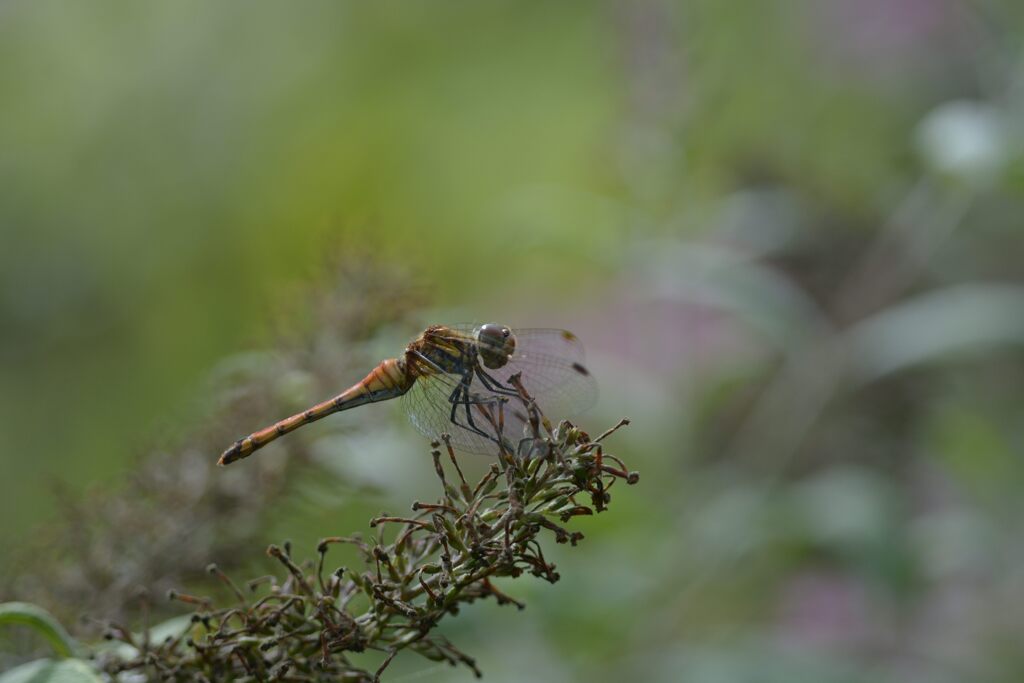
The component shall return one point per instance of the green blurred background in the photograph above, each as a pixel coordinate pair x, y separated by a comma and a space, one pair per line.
788, 233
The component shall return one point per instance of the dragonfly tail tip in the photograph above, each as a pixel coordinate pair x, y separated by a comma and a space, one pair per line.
235, 452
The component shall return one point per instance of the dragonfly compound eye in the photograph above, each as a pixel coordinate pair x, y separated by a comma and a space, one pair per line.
496, 344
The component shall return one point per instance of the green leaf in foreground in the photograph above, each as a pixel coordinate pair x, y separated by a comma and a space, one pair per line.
50, 671
42, 622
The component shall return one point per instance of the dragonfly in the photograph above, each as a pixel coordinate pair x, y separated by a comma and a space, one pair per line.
464, 383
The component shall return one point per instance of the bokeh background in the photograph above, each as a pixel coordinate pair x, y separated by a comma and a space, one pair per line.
789, 234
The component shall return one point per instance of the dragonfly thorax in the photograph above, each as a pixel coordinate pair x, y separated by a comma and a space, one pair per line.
441, 349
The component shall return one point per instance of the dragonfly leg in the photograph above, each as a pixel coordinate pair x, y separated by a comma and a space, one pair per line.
492, 384
456, 401
460, 397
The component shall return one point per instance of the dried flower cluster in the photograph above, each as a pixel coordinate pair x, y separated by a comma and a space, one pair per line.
303, 624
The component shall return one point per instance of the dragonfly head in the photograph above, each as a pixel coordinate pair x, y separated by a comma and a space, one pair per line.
495, 343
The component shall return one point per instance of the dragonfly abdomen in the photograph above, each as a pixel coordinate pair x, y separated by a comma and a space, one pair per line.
387, 380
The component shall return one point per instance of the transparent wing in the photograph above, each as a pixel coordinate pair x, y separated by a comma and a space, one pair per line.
553, 369
437, 405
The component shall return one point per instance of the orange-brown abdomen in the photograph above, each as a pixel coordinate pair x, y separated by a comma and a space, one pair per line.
389, 379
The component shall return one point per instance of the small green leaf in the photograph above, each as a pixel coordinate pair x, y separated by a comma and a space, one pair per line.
25, 614
172, 628
51, 671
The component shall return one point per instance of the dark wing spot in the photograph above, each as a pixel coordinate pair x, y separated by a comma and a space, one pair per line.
580, 369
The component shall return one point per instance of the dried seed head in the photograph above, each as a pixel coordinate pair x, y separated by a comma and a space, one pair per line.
417, 568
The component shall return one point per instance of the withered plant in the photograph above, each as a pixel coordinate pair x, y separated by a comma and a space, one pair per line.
304, 622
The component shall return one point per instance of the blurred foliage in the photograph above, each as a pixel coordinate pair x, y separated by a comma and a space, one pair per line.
787, 232
118, 547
